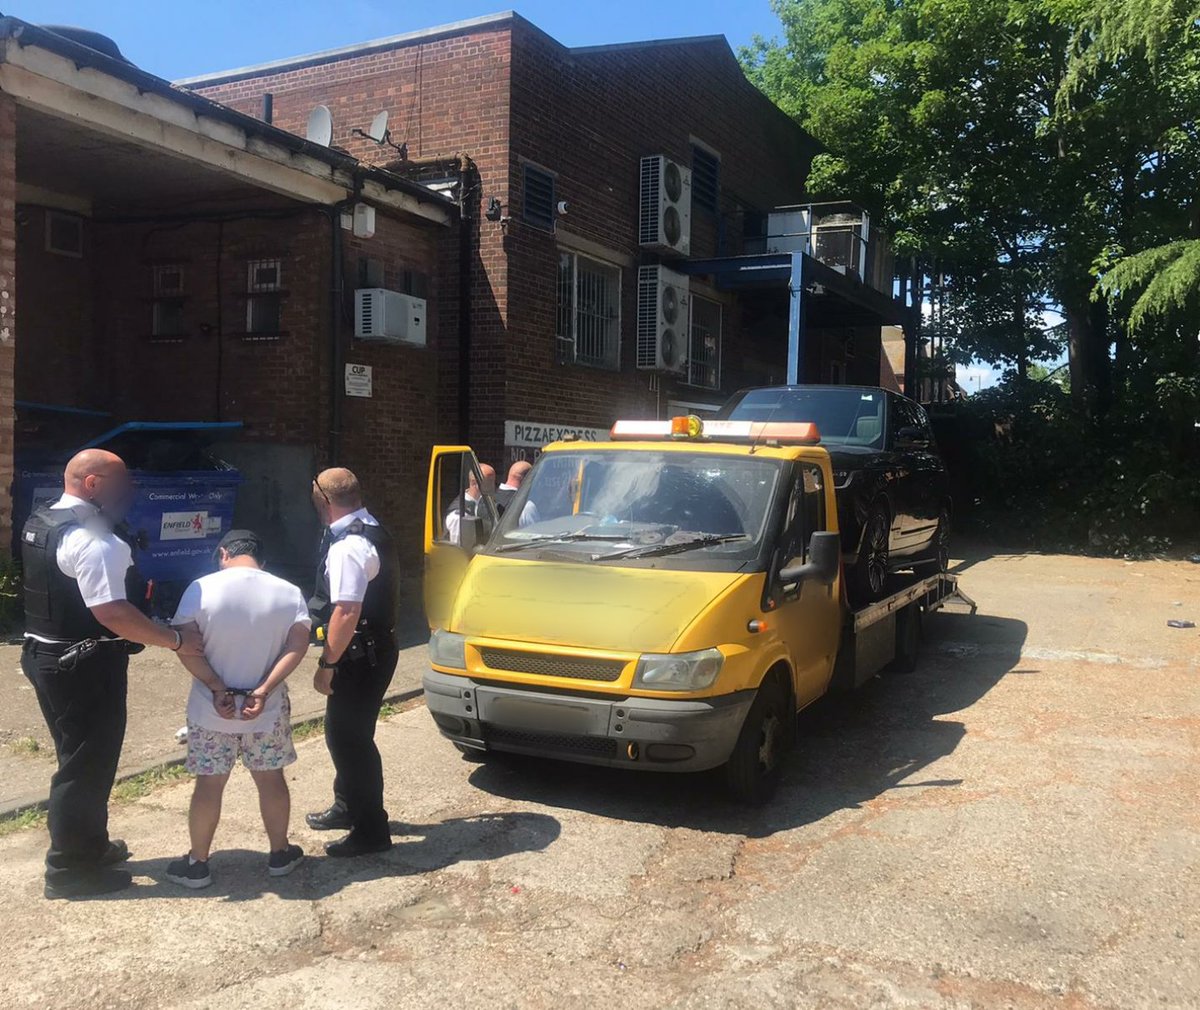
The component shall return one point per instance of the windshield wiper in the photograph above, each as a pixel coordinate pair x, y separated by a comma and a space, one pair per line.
557, 538
658, 550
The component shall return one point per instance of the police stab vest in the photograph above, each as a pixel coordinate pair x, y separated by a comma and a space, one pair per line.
54, 606
379, 605
502, 497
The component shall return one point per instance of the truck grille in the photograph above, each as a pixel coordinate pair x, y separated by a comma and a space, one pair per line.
562, 743
547, 665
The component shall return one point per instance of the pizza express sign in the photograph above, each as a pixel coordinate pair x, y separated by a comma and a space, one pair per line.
533, 435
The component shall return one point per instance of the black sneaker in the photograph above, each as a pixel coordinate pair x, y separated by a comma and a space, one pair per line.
333, 819
281, 863
188, 874
87, 885
117, 852
355, 844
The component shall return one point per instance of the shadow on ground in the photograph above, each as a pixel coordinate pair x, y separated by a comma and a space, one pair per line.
852, 748
240, 874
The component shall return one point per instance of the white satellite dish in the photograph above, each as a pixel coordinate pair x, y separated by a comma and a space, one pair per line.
320, 126
378, 131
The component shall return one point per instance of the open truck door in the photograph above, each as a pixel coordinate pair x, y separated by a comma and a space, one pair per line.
460, 515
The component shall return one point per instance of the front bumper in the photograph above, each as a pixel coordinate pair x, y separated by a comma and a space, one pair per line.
652, 734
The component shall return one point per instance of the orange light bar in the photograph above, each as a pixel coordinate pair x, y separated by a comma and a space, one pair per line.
640, 430
780, 432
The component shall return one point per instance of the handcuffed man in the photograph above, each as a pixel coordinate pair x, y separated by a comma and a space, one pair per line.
255, 628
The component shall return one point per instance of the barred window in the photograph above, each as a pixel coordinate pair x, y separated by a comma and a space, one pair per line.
588, 317
264, 301
704, 351
706, 178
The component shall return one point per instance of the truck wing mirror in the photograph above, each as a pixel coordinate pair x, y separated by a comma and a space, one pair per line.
824, 561
469, 529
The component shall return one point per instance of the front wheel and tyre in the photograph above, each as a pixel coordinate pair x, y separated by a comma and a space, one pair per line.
753, 770
869, 575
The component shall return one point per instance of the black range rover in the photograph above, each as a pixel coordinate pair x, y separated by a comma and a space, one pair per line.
893, 493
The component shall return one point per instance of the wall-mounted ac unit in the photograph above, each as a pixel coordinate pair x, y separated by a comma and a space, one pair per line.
665, 220
662, 319
380, 314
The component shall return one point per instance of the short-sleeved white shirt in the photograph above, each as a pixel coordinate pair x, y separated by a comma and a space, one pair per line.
244, 615
352, 561
92, 554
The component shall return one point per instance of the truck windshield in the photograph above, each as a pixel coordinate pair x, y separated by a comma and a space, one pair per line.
617, 505
843, 416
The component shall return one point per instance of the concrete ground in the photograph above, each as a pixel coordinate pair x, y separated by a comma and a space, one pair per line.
1014, 825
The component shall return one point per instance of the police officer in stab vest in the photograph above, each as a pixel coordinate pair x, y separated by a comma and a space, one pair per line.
355, 599
80, 628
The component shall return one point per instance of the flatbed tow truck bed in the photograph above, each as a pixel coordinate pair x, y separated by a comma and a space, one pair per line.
889, 630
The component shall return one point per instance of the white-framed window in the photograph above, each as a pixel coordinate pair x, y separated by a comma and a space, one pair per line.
64, 234
588, 318
704, 343
166, 321
264, 297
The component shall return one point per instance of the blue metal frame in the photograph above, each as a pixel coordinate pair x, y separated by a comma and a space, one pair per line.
747, 271
161, 426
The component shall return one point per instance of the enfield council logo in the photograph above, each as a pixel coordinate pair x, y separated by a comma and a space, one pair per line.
188, 525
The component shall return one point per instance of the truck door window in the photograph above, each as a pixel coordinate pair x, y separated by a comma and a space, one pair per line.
461, 490
806, 511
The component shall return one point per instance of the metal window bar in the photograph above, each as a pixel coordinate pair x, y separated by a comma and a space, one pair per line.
564, 328
595, 314
704, 345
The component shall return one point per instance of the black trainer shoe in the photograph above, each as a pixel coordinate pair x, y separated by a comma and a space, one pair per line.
89, 884
117, 852
333, 819
281, 863
355, 844
188, 874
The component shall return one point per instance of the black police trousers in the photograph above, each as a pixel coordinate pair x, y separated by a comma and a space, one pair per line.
351, 713
84, 709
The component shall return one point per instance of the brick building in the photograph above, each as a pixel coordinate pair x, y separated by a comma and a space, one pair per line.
558, 137
185, 254
178, 261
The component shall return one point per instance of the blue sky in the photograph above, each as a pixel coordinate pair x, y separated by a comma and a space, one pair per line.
182, 40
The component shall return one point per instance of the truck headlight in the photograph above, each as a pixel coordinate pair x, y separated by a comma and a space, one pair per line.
446, 648
682, 671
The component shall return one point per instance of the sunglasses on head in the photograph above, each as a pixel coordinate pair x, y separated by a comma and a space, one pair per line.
317, 485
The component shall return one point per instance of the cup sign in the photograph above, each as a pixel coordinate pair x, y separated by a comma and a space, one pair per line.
358, 380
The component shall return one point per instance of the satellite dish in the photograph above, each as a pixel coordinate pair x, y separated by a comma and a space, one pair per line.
320, 126
378, 131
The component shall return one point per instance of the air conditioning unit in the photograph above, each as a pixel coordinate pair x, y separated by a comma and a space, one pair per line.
380, 314
662, 319
665, 222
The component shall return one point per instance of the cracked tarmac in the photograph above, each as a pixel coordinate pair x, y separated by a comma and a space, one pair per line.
1014, 825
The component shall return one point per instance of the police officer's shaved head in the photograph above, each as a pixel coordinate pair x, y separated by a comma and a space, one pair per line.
339, 487
97, 475
517, 472
90, 463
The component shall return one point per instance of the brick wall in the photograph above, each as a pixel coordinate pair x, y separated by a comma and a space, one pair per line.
446, 96
89, 331
590, 116
8, 302
504, 92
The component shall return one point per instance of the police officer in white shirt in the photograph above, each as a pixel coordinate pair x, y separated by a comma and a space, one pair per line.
467, 502
508, 491
355, 600
80, 627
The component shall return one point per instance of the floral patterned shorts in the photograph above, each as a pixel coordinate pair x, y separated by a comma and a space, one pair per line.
214, 753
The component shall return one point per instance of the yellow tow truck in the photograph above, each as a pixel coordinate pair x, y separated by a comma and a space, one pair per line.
668, 600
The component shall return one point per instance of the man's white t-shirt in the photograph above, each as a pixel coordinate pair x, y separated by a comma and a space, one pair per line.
352, 561
244, 615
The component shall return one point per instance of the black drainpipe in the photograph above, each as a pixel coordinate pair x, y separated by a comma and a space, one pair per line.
468, 199
336, 290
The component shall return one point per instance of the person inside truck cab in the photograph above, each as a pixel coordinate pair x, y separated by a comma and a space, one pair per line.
466, 502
